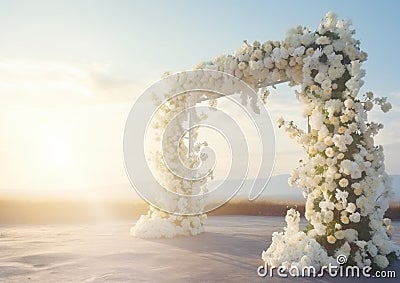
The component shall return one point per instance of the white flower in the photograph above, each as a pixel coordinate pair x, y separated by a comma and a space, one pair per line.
339, 235
342, 196
368, 105
357, 191
329, 152
328, 141
335, 72
331, 239
386, 107
320, 146
339, 45
323, 40
353, 85
323, 132
316, 120
351, 207
326, 205
355, 69
365, 204
344, 219
341, 141
319, 78
350, 168
381, 261
333, 106
370, 95
344, 118
344, 249
307, 38
242, 66
330, 20
372, 249
349, 103
305, 260
355, 217
331, 162
350, 235
343, 182
327, 83
299, 51
327, 216
352, 127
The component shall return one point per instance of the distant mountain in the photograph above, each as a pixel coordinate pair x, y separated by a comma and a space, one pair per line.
277, 188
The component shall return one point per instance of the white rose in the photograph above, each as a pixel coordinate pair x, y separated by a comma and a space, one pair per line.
331, 162
370, 94
349, 103
339, 235
331, 239
372, 249
344, 118
386, 107
323, 40
319, 78
242, 66
328, 141
343, 182
381, 261
323, 132
326, 84
329, 152
350, 235
355, 217
340, 156
351, 207
368, 105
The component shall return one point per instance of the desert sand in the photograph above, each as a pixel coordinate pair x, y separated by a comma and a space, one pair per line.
229, 251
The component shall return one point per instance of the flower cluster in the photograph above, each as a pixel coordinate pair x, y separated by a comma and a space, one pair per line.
343, 168
300, 250
167, 162
176, 167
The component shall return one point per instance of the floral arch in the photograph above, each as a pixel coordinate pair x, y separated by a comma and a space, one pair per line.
343, 170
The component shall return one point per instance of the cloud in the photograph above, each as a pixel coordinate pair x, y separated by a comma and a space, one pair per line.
41, 84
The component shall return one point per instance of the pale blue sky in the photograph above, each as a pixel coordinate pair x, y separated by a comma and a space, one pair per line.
149, 37
77, 66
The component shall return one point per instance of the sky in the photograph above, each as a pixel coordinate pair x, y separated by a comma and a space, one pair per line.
71, 70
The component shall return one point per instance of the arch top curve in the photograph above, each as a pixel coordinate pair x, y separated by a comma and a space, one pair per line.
324, 60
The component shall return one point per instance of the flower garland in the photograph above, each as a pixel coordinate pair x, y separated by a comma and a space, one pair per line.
157, 223
343, 168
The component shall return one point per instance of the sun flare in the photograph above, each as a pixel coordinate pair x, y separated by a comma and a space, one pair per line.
55, 149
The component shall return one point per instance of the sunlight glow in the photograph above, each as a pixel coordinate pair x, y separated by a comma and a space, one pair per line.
55, 149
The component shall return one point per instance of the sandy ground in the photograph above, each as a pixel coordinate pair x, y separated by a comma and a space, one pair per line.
229, 251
